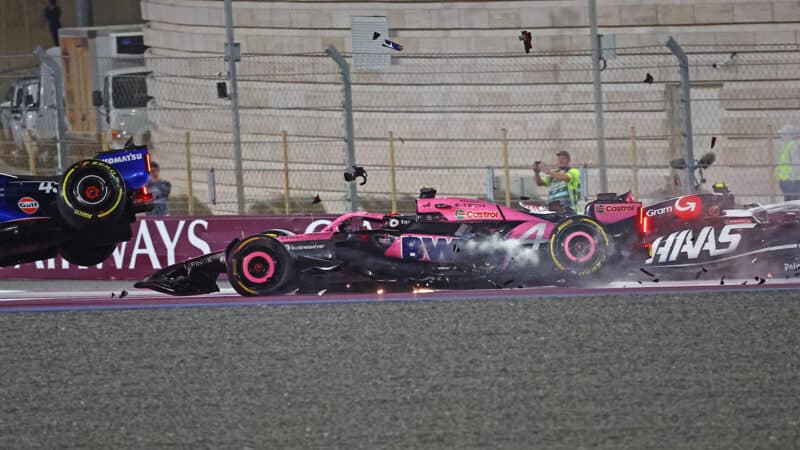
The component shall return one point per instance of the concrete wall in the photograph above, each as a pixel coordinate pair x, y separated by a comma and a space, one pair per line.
544, 99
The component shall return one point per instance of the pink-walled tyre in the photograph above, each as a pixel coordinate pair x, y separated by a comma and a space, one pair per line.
579, 246
260, 265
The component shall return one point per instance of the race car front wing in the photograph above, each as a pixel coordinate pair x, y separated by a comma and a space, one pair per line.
191, 277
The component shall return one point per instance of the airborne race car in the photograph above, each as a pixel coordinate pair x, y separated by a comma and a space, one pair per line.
81, 215
461, 243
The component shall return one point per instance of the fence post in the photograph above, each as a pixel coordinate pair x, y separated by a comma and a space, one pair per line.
505, 167
31, 154
61, 129
598, 95
392, 172
285, 138
212, 187
490, 183
189, 172
686, 103
584, 182
104, 141
635, 163
771, 168
232, 56
348, 121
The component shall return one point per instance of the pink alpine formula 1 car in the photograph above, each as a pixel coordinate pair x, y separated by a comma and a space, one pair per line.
448, 243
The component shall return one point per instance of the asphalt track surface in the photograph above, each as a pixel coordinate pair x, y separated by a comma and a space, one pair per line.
669, 366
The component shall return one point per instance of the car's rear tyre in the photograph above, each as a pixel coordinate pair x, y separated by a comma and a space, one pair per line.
579, 246
92, 192
83, 255
260, 265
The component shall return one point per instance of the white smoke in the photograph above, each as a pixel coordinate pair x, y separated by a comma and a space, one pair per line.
516, 250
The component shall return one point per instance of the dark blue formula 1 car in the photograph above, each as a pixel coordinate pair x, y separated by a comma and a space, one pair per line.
81, 215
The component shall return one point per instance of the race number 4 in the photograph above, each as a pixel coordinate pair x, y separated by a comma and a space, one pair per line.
48, 187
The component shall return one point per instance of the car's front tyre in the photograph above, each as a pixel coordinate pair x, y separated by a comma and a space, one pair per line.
84, 255
260, 265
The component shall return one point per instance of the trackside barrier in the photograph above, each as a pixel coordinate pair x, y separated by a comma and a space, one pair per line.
159, 242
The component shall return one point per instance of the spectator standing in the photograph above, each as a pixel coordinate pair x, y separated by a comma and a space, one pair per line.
160, 190
564, 183
788, 169
52, 14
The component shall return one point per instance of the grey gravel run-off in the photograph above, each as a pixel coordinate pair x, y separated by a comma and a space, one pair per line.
717, 371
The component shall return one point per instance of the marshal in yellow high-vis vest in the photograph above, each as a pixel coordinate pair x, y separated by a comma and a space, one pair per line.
787, 171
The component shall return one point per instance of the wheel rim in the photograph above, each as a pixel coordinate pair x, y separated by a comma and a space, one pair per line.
258, 267
580, 250
91, 190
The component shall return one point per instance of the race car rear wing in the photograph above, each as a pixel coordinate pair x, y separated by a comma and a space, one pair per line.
132, 163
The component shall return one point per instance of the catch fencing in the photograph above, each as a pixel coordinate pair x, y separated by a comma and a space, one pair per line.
449, 121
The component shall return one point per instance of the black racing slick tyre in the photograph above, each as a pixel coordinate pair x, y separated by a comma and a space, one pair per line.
260, 265
579, 246
82, 255
92, 193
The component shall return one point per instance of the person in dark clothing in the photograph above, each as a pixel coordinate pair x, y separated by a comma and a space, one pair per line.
160, 190
52, 14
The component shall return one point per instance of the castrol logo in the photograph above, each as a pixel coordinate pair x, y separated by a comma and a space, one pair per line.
624, 207
28, 205
470, 214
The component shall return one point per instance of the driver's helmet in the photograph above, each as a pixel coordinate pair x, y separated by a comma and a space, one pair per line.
721, 188
729, 200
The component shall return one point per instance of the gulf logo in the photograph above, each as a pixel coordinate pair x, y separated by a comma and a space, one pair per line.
28, 205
